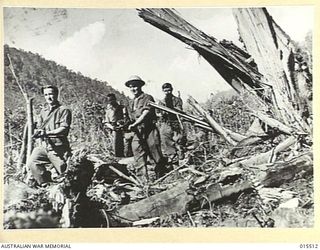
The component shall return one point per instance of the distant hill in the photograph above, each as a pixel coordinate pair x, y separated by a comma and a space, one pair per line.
85, 96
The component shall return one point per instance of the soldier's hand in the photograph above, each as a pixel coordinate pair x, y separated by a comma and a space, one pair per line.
39, 133
116, 128
131, 127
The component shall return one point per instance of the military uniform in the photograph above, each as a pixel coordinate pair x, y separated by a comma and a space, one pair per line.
172, 137
52, 149
146, 139
112, 116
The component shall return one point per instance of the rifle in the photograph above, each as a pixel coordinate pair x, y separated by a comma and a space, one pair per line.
190, 118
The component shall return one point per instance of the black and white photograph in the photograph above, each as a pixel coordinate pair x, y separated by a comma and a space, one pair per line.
158, 117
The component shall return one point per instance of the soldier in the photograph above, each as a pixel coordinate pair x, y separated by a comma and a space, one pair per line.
52, 129
172, 135
116, 118
146, 139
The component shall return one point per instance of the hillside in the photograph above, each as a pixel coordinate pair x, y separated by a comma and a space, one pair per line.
85, 96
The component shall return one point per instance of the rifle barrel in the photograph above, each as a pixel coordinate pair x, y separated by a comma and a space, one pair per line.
199, 122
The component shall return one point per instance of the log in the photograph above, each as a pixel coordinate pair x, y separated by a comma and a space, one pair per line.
270, 155
219, 129
176, 200
283, 172
273, 123
235, 136
131, 179
171, 201
218, 191
179, 198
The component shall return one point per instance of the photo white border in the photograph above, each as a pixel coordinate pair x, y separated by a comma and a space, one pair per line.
217, 235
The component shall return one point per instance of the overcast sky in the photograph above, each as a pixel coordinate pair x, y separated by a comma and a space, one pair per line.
113, 44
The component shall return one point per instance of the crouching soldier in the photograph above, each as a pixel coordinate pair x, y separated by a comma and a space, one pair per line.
52, 129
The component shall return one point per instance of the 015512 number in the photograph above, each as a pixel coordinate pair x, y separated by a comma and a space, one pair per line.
309, 246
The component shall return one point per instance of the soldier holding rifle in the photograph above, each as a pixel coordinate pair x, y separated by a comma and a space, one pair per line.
52, 130
116, 119
146, 139
171, 130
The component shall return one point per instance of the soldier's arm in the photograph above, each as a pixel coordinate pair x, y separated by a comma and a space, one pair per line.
64, 126
146, 110
179, 104
107, 121
57, 131
140, 119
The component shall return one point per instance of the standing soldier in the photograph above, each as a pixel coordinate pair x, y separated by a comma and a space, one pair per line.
114, 118
172, 137
146, 139
53, 127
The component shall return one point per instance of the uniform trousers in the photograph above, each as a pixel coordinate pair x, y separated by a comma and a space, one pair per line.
172, 140
146, 142
43, 155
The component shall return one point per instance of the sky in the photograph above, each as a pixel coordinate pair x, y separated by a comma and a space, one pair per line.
113, 44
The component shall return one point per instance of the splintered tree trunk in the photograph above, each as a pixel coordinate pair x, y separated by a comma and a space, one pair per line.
219, 129
263, 73
272, 51
230, 61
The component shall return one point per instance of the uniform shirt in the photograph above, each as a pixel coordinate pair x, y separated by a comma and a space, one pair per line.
174, 103
140, 104
113, 114
61, 118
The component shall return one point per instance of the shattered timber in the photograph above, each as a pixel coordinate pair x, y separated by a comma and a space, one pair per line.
261, 177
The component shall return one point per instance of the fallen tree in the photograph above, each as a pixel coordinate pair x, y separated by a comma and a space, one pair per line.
270, 86
186, 197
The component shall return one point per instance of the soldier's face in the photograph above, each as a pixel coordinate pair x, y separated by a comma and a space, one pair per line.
50, 96
136, 90
112, 101
167, 91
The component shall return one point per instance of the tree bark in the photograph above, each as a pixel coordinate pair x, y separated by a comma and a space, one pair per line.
283, 172
269, 156
23, 150
219, 129
30, 123
266, 41
171, 201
